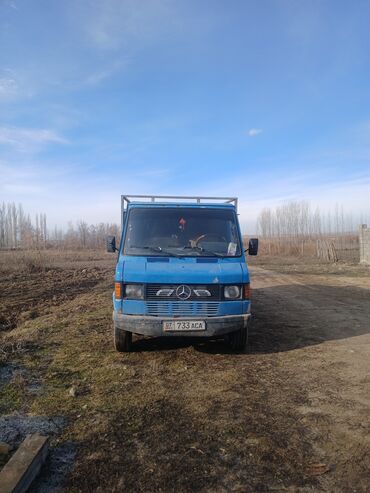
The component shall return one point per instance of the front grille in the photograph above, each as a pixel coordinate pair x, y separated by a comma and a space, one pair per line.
182, 308
152, 290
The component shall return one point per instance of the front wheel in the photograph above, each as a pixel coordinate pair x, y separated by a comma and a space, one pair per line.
238, 339
122, 340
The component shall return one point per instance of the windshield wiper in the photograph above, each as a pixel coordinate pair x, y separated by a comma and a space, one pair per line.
202, 250
157, 249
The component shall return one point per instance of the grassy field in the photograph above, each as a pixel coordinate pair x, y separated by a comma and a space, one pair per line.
290, 414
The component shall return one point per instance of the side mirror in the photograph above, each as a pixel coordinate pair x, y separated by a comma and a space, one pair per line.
253, 246
111, 244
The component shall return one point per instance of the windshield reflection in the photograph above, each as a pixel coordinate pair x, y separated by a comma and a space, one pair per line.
182, 232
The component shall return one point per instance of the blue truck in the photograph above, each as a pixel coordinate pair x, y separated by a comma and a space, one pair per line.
181, 270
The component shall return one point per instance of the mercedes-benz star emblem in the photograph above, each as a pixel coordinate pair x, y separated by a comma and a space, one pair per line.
183, 292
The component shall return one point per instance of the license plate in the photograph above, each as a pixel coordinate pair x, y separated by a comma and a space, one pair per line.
184, 325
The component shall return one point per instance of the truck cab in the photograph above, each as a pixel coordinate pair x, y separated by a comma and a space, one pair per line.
181, 270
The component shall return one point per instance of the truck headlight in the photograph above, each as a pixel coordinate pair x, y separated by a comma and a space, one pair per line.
134, 291
232, 292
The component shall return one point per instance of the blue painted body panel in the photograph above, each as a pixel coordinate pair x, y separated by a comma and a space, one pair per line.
185, 270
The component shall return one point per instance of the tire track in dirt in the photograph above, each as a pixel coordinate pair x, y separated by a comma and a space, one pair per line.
321, 332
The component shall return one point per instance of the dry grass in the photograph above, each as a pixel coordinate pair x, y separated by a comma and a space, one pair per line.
38, 261
346, 247
185, 415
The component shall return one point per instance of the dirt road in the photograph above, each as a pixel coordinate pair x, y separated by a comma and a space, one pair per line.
318, 327
290, 414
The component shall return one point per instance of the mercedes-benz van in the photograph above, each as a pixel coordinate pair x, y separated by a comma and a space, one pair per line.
181, 270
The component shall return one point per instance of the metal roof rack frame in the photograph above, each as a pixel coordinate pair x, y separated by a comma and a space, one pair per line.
126, 199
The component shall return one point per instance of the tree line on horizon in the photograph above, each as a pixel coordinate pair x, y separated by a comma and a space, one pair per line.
18, 230
294, 228
296, 219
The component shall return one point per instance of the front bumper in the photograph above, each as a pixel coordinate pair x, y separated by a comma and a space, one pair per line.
153, 326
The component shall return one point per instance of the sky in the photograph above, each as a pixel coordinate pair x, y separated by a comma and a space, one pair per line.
265, 100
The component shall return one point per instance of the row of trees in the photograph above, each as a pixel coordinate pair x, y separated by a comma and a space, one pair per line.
294, 222
18, 230
296, 219
84, 235
294, 228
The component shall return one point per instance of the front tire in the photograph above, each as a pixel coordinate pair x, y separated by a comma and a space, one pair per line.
122, 340
238, 339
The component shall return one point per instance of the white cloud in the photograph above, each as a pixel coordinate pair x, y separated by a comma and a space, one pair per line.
66, 191
22, 189
323, 188
45, 186
27, 139
97, 77
21, 179
351, 193
8, 85
114, 24
252, 132
10, 4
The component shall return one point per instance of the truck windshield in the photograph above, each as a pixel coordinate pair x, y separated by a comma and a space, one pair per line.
182, 231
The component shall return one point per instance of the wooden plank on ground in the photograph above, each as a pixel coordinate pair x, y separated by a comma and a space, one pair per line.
22, 468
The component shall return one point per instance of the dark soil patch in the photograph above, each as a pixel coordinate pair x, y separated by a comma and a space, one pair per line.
25, 297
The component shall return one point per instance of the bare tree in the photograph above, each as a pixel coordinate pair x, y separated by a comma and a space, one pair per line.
293, 227
83, 230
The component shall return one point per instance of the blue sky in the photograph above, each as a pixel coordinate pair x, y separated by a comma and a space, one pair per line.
267, 100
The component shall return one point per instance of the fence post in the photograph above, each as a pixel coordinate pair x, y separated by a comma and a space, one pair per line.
364, 242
